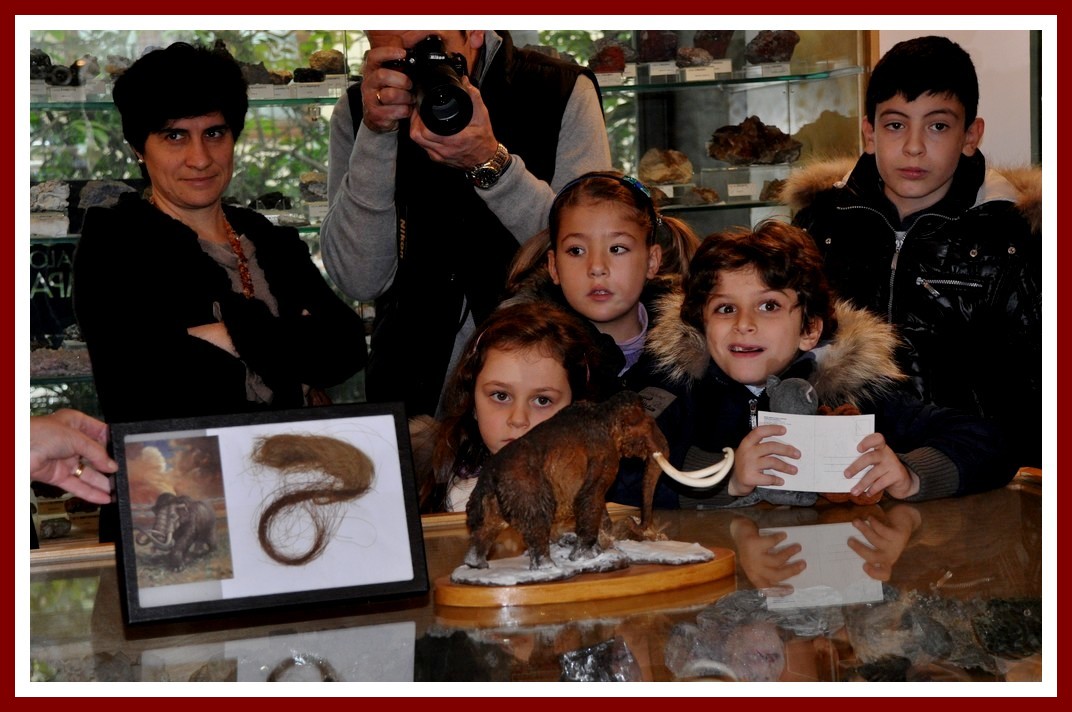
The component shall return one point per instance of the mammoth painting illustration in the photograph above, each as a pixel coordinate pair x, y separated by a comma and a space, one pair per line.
554, 480
183, 528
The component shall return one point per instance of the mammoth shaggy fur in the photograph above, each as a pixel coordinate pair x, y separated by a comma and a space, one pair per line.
554, 480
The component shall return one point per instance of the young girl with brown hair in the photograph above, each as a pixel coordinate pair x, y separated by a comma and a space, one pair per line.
527, 362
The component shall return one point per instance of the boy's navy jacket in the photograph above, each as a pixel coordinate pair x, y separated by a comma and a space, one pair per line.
964, 289
952, 452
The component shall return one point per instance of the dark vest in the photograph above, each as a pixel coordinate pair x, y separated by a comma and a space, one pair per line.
451, 247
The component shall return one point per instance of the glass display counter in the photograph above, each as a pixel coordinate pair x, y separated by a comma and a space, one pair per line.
957, 596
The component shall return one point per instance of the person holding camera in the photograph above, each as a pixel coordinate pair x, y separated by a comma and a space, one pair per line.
462, 142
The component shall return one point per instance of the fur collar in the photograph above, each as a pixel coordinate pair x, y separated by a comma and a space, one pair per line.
857, 363
1021, 185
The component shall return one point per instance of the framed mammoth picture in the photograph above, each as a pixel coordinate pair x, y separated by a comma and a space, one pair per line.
229, 513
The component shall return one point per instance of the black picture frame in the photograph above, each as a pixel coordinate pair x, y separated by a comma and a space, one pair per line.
230, 513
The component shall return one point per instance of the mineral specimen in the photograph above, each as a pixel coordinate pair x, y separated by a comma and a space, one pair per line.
271, 201
51, 195
656, 45
104, 193
627, 49
116, 65
693, 57
40, 64
328, 61
313, 186
609, 661
753, 142
698, 195
304, 75
716, 42
664, 166
772, 189
771, 46
608, 60
255, 73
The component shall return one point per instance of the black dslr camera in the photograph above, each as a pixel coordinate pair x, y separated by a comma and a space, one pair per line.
444, 105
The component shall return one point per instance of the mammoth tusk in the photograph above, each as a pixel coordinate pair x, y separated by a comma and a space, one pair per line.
707, 477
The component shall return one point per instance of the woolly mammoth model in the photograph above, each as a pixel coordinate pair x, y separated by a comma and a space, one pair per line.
554, 480
183, 528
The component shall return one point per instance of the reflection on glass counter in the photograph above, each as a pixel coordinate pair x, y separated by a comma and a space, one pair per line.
958, 601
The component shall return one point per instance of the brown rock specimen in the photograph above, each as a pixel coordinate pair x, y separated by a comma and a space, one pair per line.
752, 142
664, 166
716, 42
693, 57
608, 60
772, 189
699, 195
771, 46
328, 61
627, 48
656, 45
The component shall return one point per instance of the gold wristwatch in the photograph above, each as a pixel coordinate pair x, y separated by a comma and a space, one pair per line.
487, 174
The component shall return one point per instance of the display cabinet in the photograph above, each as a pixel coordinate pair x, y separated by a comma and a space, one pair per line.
798, 107
76, 142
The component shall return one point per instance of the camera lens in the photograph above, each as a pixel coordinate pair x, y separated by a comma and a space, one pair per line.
446, 109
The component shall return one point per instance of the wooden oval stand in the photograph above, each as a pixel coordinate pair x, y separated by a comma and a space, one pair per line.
638, 579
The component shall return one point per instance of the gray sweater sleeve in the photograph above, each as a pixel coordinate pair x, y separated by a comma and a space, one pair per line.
357, 237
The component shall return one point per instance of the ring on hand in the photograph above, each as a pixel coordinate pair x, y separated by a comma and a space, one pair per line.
78, 470
378, 99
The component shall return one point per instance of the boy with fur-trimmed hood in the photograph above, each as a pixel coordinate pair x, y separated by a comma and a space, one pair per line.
945, 248
756, 304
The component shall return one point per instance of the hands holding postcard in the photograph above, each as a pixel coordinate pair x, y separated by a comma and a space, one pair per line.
817, 453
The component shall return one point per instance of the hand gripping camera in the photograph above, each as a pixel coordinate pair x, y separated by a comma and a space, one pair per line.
444, 105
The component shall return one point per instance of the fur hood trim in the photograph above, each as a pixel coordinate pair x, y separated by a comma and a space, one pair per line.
1021, 185
857, 363
804, 183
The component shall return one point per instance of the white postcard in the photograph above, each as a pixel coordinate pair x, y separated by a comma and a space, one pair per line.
834, 575
827, 445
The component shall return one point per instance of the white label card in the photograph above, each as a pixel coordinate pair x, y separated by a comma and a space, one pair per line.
662, 69
698, 74
741, 190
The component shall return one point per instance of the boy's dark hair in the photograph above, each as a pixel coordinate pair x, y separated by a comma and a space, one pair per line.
179, 82
784, 257
924, 65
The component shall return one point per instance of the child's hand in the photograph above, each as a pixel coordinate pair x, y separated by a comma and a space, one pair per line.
887, 471
752, 457
888, 534
765, 565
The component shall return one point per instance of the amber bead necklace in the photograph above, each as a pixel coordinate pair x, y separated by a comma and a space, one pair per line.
236, 248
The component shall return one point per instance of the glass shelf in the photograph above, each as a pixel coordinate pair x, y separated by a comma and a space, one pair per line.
737, 77
723, 205
107, 105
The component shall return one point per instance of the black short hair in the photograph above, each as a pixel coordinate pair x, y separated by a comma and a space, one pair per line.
178, 82
924, 65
